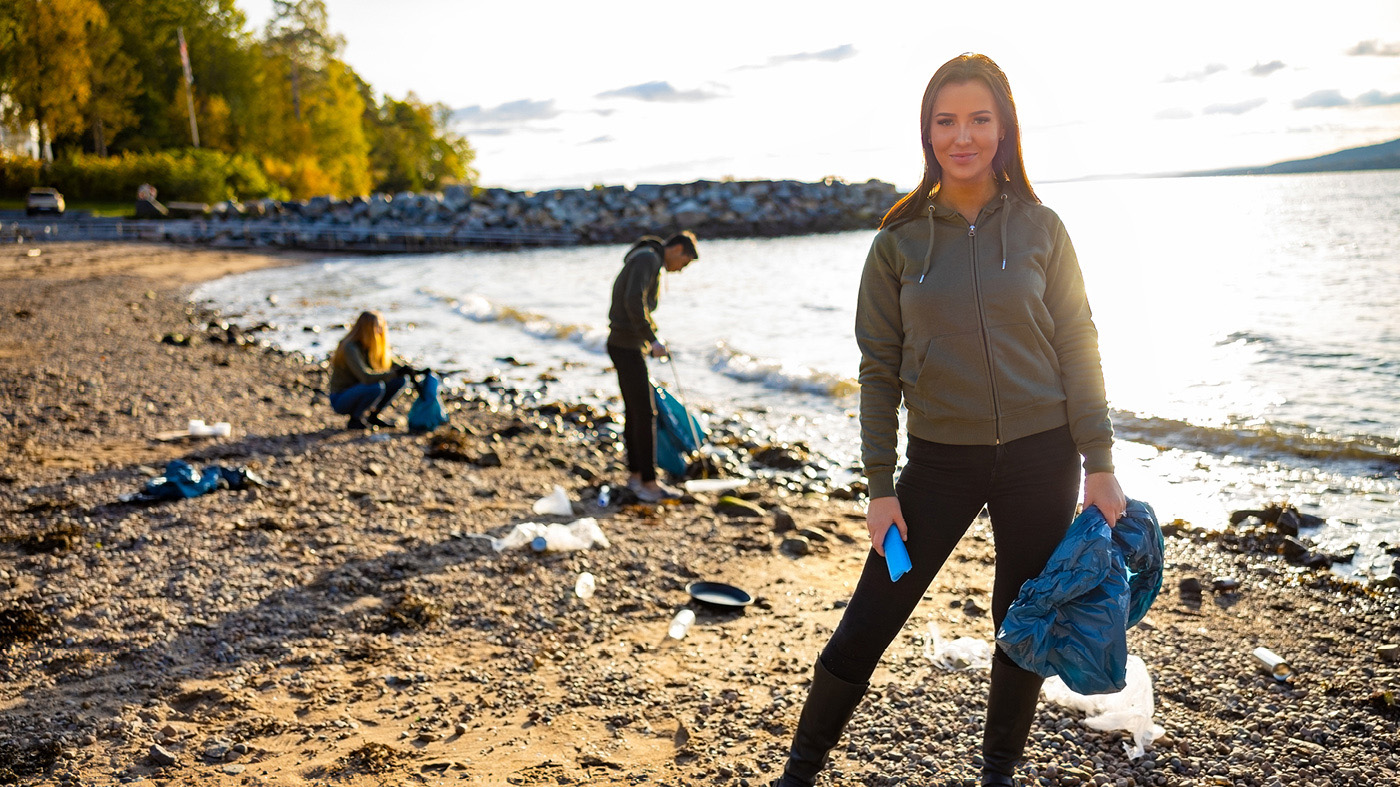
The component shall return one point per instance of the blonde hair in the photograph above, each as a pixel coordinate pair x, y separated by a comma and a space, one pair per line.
371, 333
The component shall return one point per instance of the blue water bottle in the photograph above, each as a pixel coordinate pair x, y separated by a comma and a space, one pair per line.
896, 556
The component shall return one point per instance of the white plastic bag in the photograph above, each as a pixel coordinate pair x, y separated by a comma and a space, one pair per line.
554, 504
579, 534
1130, 709
961, 653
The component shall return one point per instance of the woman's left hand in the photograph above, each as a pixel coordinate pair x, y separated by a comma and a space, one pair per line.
1102, 490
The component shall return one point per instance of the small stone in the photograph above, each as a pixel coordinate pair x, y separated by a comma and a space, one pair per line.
796, 545
429, 737
161, 756
460, 729
972, 606
783, 521
234, 769
1388, 652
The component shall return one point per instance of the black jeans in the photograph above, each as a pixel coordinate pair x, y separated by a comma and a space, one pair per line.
638, 413
1029, 486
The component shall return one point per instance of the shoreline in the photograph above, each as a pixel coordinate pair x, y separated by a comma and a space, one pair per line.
338, 627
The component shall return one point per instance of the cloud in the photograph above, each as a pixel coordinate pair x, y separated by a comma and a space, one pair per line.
521, 111
1375, 98
501, 131
1238, 108
1265, 69
1374, 48
660, 91
1195, 76
1174, 113
598, 140
832, 55
1322, 99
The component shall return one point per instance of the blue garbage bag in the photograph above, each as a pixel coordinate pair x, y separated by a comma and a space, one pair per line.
676, 433
427, 411
1073, 619
183, 481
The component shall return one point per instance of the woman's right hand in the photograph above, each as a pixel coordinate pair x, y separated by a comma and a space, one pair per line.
879, 516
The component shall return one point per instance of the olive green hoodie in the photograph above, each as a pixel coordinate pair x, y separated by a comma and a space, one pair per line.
635, 294
983, 330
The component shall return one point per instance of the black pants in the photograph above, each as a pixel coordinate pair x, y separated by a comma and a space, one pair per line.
1029, 486
638, 413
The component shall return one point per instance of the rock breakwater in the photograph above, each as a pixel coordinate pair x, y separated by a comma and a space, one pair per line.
602, 214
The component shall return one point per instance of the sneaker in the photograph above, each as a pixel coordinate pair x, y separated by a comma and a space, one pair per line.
375, 420
659, 493
356, 424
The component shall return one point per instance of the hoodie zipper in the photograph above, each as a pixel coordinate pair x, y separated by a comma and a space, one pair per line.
982, 323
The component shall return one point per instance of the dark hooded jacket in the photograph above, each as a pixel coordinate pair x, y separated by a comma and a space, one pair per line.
635, 294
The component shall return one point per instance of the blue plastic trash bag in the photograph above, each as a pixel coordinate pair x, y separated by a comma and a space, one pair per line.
676, 433
182, 481
1072, 620
427, 412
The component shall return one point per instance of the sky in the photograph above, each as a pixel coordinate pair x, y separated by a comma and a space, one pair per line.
566, 94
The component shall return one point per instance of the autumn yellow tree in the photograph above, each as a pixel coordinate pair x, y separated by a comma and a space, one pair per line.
48, 68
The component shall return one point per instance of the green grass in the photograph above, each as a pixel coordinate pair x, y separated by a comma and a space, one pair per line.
120, 210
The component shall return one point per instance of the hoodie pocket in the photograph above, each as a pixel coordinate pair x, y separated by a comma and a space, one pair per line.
1028, 373
951, 382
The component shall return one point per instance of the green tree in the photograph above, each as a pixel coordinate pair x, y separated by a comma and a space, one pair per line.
49, 65
221, 57
413, 148
114, 83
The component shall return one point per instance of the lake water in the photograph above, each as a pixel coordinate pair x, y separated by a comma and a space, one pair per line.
1249, 330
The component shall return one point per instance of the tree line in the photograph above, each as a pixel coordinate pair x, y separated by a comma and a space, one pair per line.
104, 77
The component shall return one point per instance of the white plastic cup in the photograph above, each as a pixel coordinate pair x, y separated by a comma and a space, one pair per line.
585, 585
680, 624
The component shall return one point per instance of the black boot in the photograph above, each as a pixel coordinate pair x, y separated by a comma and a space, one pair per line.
829, 706
1010, 711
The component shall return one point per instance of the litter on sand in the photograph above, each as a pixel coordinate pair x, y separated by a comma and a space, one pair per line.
1130, 709
555, 503
579, 534
714, 484
961, 653
182, 480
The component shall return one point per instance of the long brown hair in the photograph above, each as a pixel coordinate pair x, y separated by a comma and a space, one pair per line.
1007, 164
373, 341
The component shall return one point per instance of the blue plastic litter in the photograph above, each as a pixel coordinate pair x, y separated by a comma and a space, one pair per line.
182, 480
676, 432
1073, 619
427, 411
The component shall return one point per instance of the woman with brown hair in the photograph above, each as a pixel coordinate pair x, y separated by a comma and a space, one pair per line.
364, 377
972, 312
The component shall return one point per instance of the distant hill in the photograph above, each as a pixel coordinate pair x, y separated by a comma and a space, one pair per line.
1386, 155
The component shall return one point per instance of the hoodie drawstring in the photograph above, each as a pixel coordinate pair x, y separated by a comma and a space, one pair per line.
928, 258
1005, 217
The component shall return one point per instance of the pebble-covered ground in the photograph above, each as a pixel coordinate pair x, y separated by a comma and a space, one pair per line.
342, 625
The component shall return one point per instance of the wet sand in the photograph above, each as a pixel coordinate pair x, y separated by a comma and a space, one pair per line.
341, 626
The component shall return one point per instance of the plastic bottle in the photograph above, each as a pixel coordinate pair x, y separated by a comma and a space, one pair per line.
585, 585
680, 624
604, 496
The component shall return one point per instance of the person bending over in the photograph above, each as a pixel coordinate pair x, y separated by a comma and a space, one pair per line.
632, 336
972, 312
364, 376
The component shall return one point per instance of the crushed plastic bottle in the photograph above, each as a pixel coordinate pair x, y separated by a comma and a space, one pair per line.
680, 624
604, 496
585, 585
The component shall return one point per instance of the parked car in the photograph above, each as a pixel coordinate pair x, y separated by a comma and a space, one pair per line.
43, 200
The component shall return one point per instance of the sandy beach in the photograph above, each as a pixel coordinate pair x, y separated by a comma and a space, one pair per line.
341, 625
